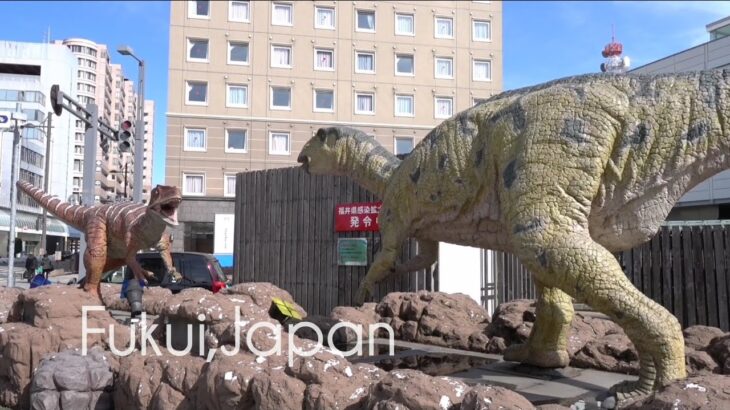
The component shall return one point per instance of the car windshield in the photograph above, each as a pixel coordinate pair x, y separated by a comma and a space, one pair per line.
218, 270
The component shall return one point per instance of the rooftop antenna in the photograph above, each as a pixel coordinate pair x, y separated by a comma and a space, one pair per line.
614, 63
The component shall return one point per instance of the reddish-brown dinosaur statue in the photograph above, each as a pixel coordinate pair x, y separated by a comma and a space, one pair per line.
116, 232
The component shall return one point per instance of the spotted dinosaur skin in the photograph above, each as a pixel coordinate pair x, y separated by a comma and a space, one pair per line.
561, 174
116, 232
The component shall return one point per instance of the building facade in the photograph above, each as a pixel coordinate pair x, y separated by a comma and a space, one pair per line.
27, 72
102, 82
251, 82
710, 199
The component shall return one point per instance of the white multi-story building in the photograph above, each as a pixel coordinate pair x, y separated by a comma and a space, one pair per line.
27, 72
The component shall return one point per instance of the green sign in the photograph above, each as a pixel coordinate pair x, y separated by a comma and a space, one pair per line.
352, 251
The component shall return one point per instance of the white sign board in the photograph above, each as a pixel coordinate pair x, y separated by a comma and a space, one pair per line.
5, 118
223, 236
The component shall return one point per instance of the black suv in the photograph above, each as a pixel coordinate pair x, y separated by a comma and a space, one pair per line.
198, 270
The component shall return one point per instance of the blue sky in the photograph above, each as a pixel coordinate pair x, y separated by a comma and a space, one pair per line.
542, 40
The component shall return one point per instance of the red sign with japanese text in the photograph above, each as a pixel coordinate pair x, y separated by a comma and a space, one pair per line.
357, 217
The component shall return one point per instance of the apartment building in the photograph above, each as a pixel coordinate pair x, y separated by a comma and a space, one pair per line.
27, 72
103, 83
251, 82
710, 199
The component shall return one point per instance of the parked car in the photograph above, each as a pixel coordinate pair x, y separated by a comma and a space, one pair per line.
198, 270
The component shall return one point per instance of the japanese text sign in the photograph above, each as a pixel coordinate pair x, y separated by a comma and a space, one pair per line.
357, 217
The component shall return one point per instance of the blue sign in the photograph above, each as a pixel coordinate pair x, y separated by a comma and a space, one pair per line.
4, 119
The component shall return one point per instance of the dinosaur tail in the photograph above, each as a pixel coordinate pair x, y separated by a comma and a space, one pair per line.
70, 214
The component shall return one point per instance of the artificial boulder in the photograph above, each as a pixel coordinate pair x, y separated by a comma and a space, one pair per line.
702, 392
10, 304
512, 321
262, 293
698, 337
494, 397
416, 390
69, 380
364, 315
441, 319
719, 349
612, 353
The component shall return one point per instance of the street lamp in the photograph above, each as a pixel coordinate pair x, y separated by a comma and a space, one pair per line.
139, 133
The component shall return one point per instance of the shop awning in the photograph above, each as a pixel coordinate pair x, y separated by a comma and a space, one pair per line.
32, 223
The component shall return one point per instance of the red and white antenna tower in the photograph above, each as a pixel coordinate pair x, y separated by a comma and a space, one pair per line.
614, 63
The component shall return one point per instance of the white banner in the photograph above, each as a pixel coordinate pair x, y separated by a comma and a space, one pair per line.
223, 237
5, 119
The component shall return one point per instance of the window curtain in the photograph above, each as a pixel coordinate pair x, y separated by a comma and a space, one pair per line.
279, 143
282, 14
239, 10
405, 105
405, 24
365, 62
443, 67
281, 55
482, 71
196, 139
481, 30
231, 182
239, 52
444, 107
237, 95
324, 59
366, 21
443, 27
365, 103
194, 183
324, 17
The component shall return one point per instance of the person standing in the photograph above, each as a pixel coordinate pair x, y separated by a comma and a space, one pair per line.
46, 263
31, 264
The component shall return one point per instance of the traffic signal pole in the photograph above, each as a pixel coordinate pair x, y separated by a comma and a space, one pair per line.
95, 128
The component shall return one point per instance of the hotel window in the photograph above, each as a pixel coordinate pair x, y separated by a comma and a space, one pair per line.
481, 30
366, 20
197, 49
281, 14
404, 64
404, 25
404, 105
237, 95
237, 52
365, 62
444, 27
229, 185
193, 184
197, 93
278, 143
444, 67
281, 56
482, 70
236, 140
444, 107
195, 139
280, 98
324, 100
77, 165
238, 11
324, 17
199, 9
365, 103
403, 145
324, 59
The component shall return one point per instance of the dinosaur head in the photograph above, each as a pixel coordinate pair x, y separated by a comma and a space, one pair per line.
164, 201
324, 153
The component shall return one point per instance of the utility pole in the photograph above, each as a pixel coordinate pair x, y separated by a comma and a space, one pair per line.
138, 128
14, 170
46, 178
126, 165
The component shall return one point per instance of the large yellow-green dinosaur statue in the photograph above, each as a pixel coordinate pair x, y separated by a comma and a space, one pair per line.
560, 174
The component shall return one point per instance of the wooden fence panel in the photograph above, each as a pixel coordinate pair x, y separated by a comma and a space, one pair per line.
284, 234
685, 268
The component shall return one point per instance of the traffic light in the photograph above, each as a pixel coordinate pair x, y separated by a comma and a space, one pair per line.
125, 136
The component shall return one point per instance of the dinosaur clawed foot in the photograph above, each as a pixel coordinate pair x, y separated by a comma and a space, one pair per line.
625, 393
522, 353
93, 289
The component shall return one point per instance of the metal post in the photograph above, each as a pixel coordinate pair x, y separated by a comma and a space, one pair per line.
14, 162
89, 185
46, 178
139, 138
126, 165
